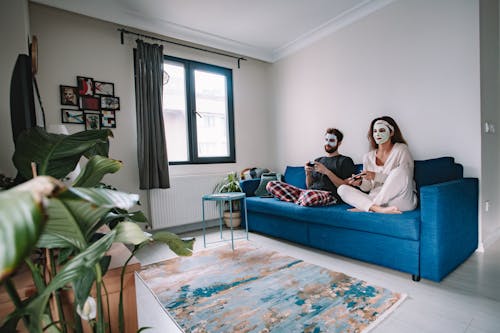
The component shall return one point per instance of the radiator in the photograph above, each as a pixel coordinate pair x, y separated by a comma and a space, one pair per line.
181, 203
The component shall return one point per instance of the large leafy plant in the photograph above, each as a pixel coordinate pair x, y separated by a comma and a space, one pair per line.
63, 223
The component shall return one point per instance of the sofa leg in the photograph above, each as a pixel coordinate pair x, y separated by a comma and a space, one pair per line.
415, 278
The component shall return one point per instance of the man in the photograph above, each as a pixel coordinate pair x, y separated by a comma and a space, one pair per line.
323, 176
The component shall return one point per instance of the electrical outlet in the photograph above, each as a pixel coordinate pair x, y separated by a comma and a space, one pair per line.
489, 127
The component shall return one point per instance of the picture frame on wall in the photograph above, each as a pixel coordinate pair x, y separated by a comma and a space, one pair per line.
92, 120
72, 116
110, 103
108, 119
90, 103
104, 88
69, 95
85, 85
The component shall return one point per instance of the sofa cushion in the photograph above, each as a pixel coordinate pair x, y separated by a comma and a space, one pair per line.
261, 191
405, 226
436, 170
296, 176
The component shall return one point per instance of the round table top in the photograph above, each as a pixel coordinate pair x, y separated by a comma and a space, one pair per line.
224, 196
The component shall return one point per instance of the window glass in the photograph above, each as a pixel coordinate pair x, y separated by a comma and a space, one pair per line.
174, 112
198, 112
211, 111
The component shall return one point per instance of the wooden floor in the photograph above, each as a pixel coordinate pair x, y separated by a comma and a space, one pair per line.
468, 300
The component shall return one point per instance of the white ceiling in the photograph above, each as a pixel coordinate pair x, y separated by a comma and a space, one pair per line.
263, 29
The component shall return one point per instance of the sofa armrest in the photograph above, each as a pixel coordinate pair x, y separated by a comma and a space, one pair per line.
249, 186
449, 226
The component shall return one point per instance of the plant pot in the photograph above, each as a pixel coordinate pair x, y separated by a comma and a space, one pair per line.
236, 218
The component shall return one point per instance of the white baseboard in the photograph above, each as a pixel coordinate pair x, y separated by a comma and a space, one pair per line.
492, 238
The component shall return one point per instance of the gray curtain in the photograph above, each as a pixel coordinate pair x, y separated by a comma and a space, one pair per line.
151, 144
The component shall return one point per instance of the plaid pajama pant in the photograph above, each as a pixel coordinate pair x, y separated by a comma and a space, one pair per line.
290, 193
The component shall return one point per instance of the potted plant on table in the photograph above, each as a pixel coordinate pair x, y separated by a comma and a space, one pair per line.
230, 183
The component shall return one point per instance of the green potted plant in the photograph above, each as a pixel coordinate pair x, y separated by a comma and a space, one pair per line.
230, 183
63, 223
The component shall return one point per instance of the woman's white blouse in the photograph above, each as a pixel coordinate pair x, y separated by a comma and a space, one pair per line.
399, 155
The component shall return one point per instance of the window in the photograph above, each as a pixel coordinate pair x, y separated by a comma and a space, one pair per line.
198, 112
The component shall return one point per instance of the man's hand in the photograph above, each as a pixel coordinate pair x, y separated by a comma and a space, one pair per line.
308, 167
321, 168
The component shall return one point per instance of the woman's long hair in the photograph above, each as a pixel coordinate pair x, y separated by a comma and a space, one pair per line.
397, 137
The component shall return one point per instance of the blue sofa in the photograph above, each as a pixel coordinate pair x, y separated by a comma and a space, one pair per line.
428, 242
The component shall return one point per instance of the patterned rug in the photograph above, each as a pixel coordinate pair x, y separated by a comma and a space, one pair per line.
257, 290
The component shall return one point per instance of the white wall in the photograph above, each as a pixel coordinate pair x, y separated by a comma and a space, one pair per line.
72, 45
14, 24
417, 61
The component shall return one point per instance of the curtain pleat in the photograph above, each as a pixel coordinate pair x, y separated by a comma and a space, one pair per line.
151, 143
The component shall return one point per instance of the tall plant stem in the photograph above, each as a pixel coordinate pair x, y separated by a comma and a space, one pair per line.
100, 313
121, 320
57, 294
14, 296
107, 305
48, 277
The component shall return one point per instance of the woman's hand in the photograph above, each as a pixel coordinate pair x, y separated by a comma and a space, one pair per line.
369, 175
356, 180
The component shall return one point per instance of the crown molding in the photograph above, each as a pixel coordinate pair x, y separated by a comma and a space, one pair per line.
111, 11
346, 18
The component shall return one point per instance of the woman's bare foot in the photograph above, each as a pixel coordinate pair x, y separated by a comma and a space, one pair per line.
354, 210
385, 210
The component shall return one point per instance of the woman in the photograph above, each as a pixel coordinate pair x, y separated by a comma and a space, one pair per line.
386, 184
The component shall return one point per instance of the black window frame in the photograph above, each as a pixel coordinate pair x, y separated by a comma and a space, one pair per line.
190, 66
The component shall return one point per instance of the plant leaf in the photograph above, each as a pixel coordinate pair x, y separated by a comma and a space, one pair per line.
129, 233
69, 273
63, 229
21, 221
104, 197
119, 215
57, 154
95, 169
82, 285
175, 243
22, 217
77, 213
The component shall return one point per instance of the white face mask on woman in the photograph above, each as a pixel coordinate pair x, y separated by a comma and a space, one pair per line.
381, 131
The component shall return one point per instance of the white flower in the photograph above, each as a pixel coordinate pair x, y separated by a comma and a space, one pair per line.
89, 309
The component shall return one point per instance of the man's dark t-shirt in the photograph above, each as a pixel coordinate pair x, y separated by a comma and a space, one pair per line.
342, 166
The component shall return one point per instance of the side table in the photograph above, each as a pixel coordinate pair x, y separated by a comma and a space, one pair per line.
223, 197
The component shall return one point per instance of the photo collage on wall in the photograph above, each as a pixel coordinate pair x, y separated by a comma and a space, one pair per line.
96, 102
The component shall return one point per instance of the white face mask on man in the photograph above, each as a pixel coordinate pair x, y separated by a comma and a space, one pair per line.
381, 131
331, 140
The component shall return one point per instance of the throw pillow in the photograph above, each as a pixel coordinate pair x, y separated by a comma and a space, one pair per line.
296, 176
264, 179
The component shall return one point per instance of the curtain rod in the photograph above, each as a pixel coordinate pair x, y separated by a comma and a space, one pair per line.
123, 31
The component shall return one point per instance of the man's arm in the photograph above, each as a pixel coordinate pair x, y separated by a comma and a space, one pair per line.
309, 177
336, 180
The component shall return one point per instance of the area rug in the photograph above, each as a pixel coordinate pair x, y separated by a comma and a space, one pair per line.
256, 290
